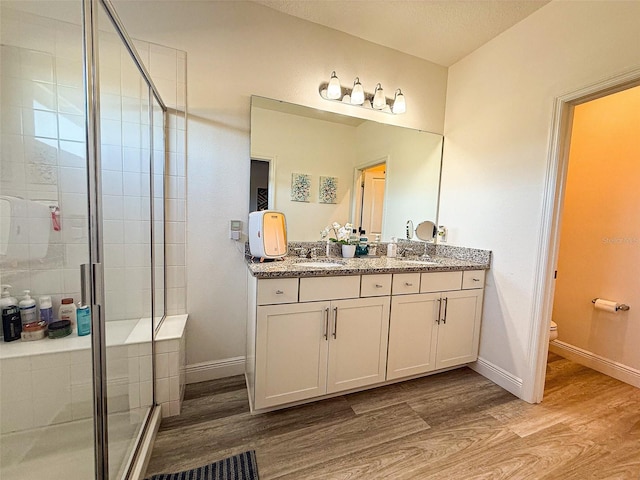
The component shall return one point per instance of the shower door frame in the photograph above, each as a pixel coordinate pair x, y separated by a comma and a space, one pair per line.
93, 283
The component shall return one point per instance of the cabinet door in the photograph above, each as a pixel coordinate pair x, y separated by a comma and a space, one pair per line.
459, 329
357, 343
413, 332
291, 352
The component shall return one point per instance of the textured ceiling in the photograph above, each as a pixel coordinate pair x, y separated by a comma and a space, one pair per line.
441, 31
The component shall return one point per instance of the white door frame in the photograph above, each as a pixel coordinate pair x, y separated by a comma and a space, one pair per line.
554, 190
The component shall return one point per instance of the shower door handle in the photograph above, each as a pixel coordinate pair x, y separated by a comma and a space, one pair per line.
91, 275
85, 283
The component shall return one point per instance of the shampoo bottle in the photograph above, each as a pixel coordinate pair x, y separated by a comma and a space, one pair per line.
83, 314
11, 323
28, 313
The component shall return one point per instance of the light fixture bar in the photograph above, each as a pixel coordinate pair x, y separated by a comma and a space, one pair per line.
358, 97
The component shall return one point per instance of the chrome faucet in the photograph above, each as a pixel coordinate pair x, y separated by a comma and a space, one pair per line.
407, 252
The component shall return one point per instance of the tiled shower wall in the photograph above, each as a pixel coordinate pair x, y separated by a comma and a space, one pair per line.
42, 157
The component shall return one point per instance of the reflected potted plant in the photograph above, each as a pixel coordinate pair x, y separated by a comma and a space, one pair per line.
342, 236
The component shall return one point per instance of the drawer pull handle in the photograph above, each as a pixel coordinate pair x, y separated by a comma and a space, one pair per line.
378, 285
446, 302
279, 292
408, 284
326, 323
476, 279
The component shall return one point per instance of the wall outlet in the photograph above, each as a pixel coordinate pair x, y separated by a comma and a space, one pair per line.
442, 234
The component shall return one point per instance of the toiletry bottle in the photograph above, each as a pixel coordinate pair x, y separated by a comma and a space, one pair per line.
373, 246
363, 244
28, 312
83, 315
46, 309
67, 311
353, 238
392, 248
11, 323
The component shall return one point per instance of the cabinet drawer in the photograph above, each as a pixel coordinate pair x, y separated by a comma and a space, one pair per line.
405, 283
472, 279
277, 290
375, 285
440, 281
329, 288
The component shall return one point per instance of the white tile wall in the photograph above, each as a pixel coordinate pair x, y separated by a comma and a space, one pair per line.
43, 157
43, 154
170, 364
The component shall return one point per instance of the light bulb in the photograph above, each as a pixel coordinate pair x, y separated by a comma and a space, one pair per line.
334, 91
379, 101
399, 104
357, 94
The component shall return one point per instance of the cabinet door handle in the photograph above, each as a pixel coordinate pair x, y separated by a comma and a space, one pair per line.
335, 322
326, 323
279, 292
446, 302
439, 311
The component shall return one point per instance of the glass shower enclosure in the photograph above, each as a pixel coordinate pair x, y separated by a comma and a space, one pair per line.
82, 172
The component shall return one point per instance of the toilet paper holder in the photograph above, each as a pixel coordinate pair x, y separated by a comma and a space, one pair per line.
622, 307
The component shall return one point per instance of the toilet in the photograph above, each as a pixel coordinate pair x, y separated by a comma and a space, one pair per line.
553, 331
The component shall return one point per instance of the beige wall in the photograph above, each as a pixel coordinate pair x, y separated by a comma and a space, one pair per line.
236, 49
600, 240
497, 130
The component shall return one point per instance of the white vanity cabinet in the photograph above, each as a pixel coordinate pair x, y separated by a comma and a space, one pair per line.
314, 336
436, 329
312, 348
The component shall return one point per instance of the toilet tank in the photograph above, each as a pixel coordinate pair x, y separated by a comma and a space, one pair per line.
267, 234
24, 229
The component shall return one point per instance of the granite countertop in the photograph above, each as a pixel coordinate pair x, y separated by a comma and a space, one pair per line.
292, 266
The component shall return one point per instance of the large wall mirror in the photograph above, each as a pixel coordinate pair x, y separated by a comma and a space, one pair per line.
320, 167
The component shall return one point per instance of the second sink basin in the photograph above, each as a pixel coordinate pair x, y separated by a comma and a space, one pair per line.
419, 262
319, 264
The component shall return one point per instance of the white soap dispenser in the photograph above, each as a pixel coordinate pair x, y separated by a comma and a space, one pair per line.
28, 309
392, 248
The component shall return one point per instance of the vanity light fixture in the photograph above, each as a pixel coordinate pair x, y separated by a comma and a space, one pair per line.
399, 105
334, 91
379, 102
357, 93
357, 96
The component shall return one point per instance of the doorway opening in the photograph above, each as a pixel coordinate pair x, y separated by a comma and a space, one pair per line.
554, 202
370, 199
262, 183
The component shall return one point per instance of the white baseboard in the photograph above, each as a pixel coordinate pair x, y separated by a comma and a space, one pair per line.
228, 367
499, 376
600, 364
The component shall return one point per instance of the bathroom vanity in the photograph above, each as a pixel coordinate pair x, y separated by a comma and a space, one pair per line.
319, 328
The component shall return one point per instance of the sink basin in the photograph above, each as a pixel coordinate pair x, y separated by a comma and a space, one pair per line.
419, 262
319, 264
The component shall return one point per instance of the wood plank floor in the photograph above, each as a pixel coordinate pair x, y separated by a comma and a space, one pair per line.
454, 425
